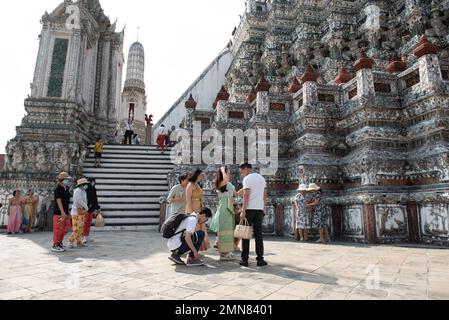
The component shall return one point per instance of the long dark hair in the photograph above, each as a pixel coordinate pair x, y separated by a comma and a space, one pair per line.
195, 175
183, 177
219, 179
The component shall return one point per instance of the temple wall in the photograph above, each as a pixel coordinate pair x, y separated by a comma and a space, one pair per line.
42, 189
385, 223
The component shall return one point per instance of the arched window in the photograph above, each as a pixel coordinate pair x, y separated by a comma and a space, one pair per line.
131, 111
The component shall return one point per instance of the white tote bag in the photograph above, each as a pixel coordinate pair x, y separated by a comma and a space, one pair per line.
244, 231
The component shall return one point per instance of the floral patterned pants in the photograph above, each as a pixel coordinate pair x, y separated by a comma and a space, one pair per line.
77, 230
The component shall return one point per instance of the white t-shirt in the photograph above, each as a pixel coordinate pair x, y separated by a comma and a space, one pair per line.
189, 225
129, 126
79, 201
257, 185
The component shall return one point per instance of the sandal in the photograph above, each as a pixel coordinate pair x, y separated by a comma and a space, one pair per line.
227, 257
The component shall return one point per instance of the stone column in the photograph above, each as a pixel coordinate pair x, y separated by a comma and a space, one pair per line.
369, 218
91, 76
74, 58
365, 82
430, 71
222, 111
262, 103
148, 136
102, 113
413, 222
189, 119
113, 86
310, 92
37, 88
279, 220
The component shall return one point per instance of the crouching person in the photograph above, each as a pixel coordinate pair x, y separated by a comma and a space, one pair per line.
186, 239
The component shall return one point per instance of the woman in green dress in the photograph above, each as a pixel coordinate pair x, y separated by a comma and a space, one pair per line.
224, 220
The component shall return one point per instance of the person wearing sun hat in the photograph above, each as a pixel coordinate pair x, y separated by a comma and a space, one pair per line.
319, 213
79, 210
302, 225
61, 214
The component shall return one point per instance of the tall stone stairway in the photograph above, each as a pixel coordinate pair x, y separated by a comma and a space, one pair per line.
130, 182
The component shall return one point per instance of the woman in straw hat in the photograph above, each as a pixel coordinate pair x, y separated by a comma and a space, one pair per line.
320, 214
79, 211
302, 216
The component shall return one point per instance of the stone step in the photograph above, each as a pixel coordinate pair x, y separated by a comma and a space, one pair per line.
131, 161
122, 182
137, 157
166, 167
133, 152
146, 177
128, 214
114, 171
126, 147
131, 200
130, 193
128, 207
132, 221
134, 188
118, 228
130, 182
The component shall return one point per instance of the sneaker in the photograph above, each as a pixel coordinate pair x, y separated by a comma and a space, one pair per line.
244, 264
61, 245
176, 260
84, 240
262, 263
57, 248
195, 263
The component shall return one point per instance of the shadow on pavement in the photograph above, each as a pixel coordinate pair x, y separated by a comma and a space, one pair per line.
215, 267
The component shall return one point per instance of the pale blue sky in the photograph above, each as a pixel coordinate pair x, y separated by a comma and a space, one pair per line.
180, 37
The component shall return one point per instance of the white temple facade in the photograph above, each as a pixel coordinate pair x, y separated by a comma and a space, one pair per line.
75, 98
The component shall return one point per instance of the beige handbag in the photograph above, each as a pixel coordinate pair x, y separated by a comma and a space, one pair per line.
99, 221
244, 231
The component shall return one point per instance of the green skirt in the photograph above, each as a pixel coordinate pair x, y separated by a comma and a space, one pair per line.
225, 222
214, 224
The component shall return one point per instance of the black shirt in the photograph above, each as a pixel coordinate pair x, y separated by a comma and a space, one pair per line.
92, 199
63, 194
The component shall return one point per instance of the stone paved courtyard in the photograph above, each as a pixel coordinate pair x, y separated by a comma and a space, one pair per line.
134, 265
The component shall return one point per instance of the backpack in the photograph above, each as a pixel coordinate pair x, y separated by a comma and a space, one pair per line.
172, 224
